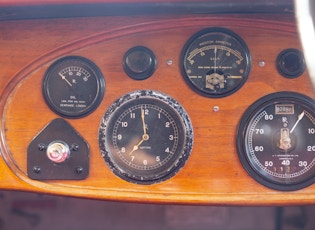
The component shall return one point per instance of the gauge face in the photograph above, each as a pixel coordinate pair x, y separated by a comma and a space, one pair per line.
276, 141
215, 62
73, 87
145, 137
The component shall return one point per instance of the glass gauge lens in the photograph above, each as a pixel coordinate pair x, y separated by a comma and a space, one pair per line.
145, 137
276, 141
215, 62
73, 86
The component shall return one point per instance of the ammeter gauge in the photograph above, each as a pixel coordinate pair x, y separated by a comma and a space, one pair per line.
145, 137
73, 87
215, 62
276, 141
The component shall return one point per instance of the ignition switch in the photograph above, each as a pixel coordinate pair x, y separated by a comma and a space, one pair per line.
58, 151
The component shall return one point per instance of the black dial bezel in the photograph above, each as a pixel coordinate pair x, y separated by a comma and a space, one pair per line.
52, 72
203, 33
242, 131
158, 174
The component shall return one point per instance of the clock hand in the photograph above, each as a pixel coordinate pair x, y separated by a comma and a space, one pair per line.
143, 122
145, 137
136, 147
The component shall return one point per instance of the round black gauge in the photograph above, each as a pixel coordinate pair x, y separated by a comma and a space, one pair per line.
215, 62
73, 86
145, 137
276, 141
139, 63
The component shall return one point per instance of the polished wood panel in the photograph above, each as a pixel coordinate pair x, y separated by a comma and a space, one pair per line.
213, 173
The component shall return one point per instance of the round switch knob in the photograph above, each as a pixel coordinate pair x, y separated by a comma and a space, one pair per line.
58, 151
291, 63
139, 63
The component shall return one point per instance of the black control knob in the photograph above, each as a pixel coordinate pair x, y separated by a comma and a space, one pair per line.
291, 63
139, 63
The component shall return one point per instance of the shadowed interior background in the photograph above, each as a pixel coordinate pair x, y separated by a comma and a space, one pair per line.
20, 210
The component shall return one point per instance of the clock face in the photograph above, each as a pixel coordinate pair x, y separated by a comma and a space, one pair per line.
145, 137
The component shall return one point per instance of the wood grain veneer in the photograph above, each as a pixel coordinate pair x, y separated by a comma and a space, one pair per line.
213, 173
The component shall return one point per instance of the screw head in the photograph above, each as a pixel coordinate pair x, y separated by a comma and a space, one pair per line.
75, 147
261, 63
169, 62
79, 170
41, 147
216, 108
36, 169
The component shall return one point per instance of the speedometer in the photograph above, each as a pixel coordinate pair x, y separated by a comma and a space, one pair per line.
276, 141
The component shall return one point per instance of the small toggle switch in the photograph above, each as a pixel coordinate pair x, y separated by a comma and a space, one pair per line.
58, 151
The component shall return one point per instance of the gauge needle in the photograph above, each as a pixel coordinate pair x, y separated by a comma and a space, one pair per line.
299, 118
64, 78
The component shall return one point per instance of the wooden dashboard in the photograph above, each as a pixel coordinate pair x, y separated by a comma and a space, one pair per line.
213, 173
